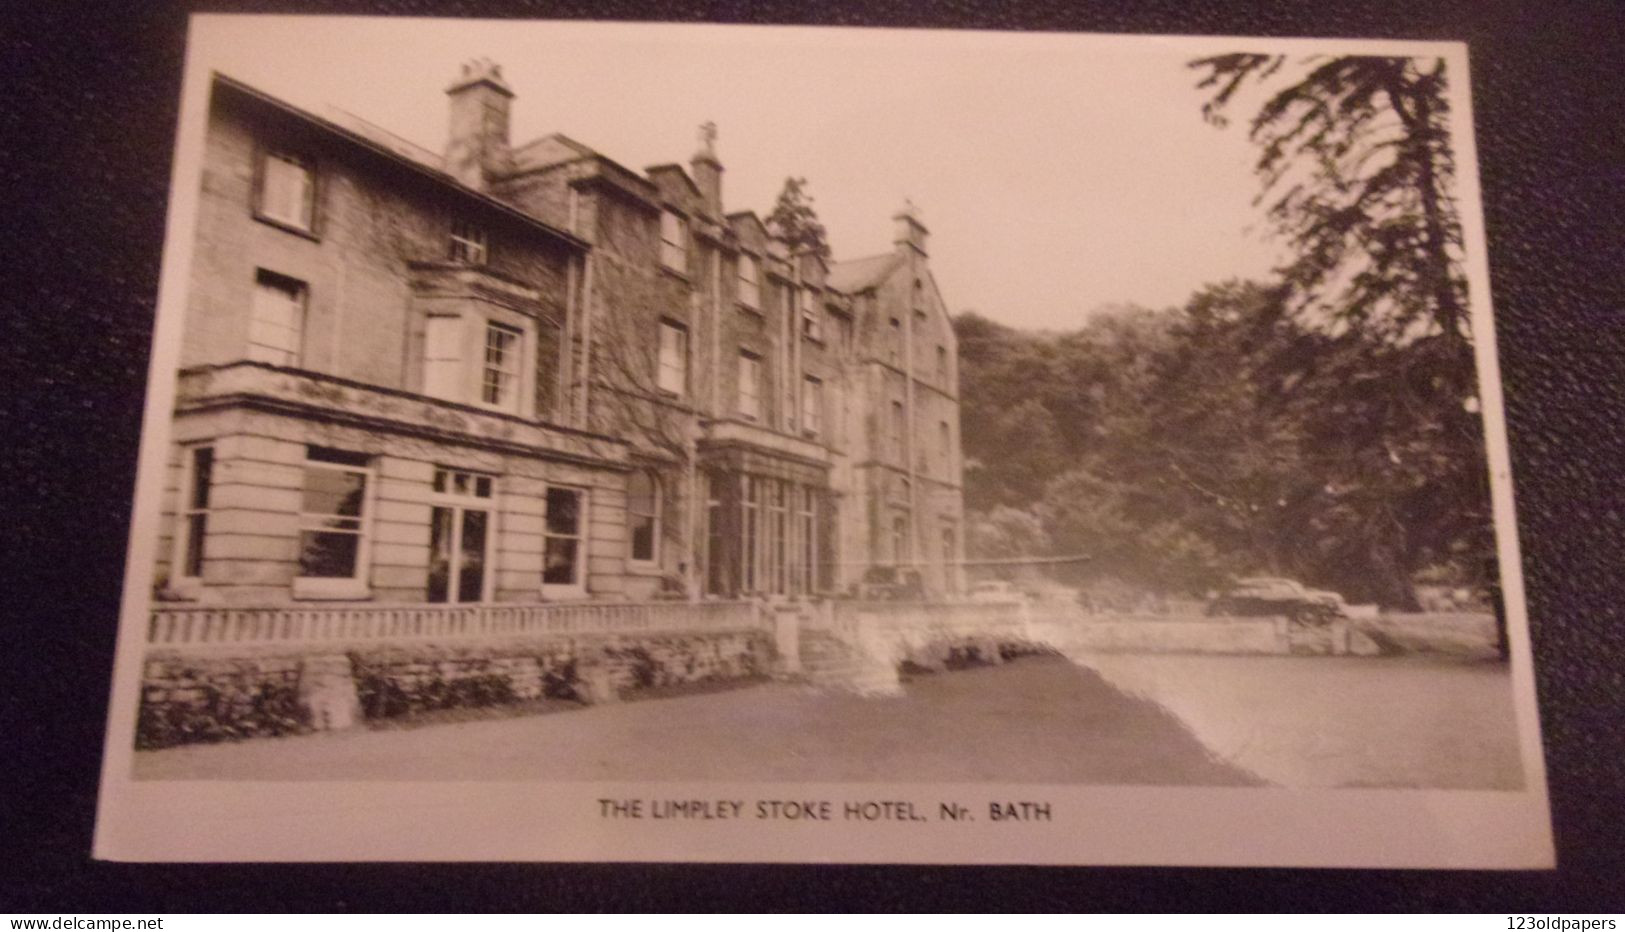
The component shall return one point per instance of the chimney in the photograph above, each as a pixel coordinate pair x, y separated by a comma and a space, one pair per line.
911, 233
707, 169
477, 145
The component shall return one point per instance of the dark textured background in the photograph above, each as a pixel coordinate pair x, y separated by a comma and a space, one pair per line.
85, 143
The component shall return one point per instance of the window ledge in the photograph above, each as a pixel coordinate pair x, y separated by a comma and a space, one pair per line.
346, 590
678, 274
287, 227
183, 590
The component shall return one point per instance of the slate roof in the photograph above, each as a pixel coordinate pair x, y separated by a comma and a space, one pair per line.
855, 275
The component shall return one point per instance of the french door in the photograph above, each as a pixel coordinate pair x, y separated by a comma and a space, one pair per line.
459, 537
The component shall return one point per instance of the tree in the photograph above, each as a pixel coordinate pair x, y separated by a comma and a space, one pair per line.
794, 220
1005, 533
1357, 174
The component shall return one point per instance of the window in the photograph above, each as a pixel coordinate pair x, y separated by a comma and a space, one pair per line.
332, 524
899, 541
277, 319
895, 349
837, 412
950, 560
899, 427
945, 443
807, 536
564, 548
942, 364
442, 359
194, 525
749, 532
643, 516
673, 242
778, 523
287, 191
459, 532
499, 378
812, 406
672, 374
716, 568
750, 385
811, 326
468, 243
750, 281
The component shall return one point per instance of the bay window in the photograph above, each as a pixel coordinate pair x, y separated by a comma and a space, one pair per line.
480, 360
499, 377
193, 529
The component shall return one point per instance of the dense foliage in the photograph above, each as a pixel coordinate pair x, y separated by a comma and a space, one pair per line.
794, 220
1322, 425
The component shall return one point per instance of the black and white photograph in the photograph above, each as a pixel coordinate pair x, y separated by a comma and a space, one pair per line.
647, 442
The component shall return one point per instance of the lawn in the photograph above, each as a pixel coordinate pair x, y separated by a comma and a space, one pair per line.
1035, 720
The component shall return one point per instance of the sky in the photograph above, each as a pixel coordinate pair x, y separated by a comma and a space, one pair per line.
1058, 174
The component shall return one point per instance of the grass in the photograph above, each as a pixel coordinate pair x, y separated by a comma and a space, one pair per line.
1034, 720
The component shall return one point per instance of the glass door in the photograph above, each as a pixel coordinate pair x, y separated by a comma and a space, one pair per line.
459, 535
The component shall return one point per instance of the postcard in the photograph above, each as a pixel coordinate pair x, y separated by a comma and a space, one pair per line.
646, 442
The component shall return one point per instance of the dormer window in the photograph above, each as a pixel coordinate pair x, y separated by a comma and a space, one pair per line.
469, 243
287, 190
750, 281
673, 242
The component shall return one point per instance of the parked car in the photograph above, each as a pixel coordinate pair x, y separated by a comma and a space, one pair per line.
891, 584
1272, 595
995, 591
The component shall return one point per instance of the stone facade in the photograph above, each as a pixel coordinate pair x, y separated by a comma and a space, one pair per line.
528, 373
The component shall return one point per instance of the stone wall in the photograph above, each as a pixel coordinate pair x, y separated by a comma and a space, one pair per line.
191, 699
187, 700
372, 219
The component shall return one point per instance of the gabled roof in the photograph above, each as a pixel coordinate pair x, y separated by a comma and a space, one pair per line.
547, 151
670, 169
855, 275
391, 149
745, 223
401, 146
